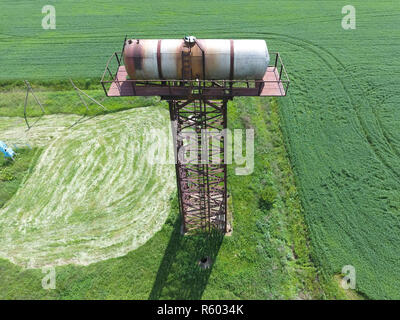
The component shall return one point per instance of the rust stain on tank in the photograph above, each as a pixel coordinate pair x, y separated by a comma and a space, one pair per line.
133, 56
182, 47
138, 54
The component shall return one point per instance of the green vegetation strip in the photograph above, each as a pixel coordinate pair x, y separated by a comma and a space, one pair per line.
63, 100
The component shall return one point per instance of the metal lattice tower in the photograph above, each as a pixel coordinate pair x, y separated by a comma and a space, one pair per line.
198, 113
201, 183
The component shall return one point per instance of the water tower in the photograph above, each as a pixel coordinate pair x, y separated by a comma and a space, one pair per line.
197, 78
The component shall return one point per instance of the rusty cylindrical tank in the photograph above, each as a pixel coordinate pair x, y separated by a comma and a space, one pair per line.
147, 59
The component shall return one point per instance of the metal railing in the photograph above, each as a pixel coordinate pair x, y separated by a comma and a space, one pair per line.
282, 71
110, 75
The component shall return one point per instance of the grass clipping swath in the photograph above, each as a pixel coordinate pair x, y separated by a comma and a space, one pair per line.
92, 195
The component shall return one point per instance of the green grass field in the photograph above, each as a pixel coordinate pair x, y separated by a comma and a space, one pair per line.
339, 125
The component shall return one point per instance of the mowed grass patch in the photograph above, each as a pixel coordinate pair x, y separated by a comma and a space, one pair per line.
93, 195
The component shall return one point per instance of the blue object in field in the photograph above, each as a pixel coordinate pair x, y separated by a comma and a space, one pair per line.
8, 152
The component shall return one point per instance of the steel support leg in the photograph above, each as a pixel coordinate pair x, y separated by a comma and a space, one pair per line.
199, 141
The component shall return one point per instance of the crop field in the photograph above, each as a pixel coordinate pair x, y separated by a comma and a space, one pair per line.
340, 127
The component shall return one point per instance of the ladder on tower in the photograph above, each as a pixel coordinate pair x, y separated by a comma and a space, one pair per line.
186, 63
